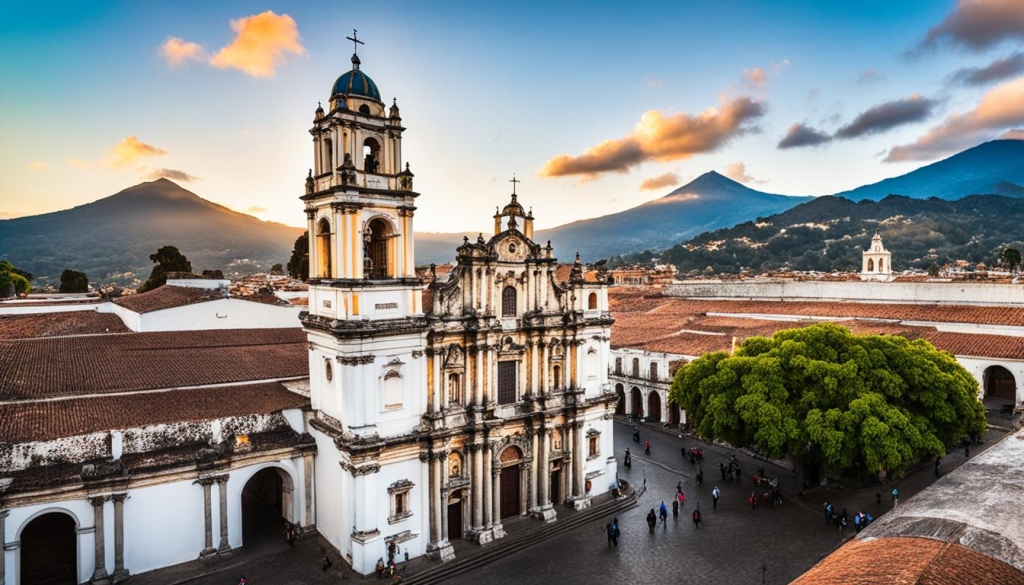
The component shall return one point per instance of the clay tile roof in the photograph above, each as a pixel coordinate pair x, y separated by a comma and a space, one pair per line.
58, 324
47, 420
70, 366
910, 560
167, 297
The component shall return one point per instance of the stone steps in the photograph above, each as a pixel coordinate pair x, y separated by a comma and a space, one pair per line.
520, 541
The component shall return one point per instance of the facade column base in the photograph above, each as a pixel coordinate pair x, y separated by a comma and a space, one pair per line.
498, 531
580, 502
482, 536
100, 578
545, 513
441, 551
121, 576
225, 551
208, 553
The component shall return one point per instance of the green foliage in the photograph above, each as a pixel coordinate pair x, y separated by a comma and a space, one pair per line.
1011, 257
826, 395
298, 264
73, 281
13, 281
168, 259
277, 269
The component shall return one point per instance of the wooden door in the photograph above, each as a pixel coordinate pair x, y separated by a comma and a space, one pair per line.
455, 520
510, 491
49, 551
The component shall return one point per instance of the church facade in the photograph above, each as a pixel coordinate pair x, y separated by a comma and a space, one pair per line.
440, 412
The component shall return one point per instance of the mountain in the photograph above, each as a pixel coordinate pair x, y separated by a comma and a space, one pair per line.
995, 167
115, 235
829, 233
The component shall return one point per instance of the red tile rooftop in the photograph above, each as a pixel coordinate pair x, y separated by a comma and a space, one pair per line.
41, 421
59, 324
73, 366
167, 297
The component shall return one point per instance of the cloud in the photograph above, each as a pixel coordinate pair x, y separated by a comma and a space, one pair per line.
172, 174
78, 163
653, 82
1015, 134
255, 209
261, 44
1000, 108
888, 115
995, 71
179, 52
869, 75
737, 171
800, 135
668, 179
128, 151
978, 24
660, 138
780, 66
38, 165
755, 78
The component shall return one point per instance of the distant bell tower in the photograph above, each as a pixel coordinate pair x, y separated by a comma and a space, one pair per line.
365, 324
876, 261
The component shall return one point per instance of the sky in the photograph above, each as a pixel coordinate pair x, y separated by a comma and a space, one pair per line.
596, 107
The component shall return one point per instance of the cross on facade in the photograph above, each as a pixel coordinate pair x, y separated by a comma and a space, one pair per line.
514, 180
355, 41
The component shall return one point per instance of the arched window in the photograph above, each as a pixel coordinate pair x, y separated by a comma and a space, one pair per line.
364, 109
379, 240
508, 302
592, 364
636, 367
556, 374
871, 264
371, 155
328, 155
323, 249
592, 301
881, 265
392, 389
454, 389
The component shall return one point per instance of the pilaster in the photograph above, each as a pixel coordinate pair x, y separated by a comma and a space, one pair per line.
99, 574
120, 572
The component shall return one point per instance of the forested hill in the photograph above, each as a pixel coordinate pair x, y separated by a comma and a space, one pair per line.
829, 233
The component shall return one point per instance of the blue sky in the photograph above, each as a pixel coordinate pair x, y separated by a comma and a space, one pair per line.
91, 102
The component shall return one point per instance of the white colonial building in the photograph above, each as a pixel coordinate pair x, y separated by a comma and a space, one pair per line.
876, 261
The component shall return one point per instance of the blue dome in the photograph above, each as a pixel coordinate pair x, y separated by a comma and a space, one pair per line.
356, 82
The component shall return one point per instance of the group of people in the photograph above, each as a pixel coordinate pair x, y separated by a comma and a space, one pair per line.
860, 520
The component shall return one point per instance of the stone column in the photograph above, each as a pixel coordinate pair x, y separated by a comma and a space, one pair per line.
222, 484
478, 392
434, 469
444, 516
533, 470
120, 573
99, 574
307, 460
496, 500
545, 383
437, 400
208, 550
569, 434
544, 510
579, 457
488, 486
3, 566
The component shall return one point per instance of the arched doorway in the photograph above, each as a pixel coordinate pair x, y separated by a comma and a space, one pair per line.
379, 240
371, 155
673, 413
511, 488
654, 406
456, 502
1000, 384
266, 506
49, 550
323, 249
620, 406
637, 402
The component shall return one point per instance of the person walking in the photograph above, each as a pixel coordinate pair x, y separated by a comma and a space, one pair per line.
753, 501
681, 498
738, 473
895, 497
652, 520
696, 518
715, 494
856, 523
615, 531
647, 447
608, 529
327, 564
675, 509
828, 513
663, 514
679, 487
938, 461
967, 449
721, 467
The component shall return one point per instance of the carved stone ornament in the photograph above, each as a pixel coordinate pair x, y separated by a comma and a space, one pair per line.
356, 360
416, 354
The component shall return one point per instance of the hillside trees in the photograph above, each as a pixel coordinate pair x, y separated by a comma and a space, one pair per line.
13, 281
73, 281
298, 264
168, 259
824, 395
1011, 257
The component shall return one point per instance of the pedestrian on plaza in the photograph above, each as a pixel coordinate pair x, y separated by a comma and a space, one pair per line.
289, 533
663, 513
243, 581
696, 518
828, 513
681, 498
714, 497
327, 564
700, 476
615, 531
878, 498
682, 450
608, 529
856, 523
753, 501
938, 461
675, 509
895, 497
721, 467
738, 473
652, 520
647, 447
967, 448
679, 487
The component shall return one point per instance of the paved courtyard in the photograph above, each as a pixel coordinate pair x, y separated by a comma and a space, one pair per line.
731, 546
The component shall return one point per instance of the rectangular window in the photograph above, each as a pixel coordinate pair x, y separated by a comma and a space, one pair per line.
593, 447
618, 365
507, 382
654, 370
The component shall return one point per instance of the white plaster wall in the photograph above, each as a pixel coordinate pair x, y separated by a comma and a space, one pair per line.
163, 525
417, 472
80, 510
11, 308
220, 314
977, 367
334, 495
904, 292
132, 320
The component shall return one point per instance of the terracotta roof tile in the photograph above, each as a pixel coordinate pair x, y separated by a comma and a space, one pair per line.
58, 324
46, 420
70, 366
167, 297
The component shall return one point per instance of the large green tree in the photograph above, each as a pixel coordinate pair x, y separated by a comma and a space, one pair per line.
168, 259
824, 395
73, 281
13, 281
298, 264
1011, 256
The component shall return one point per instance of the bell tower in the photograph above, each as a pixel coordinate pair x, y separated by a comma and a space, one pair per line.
365, 325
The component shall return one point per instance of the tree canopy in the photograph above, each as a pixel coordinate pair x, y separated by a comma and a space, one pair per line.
1011, 256
823, 394
298, 264
73, 281
13, 281
168, 259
